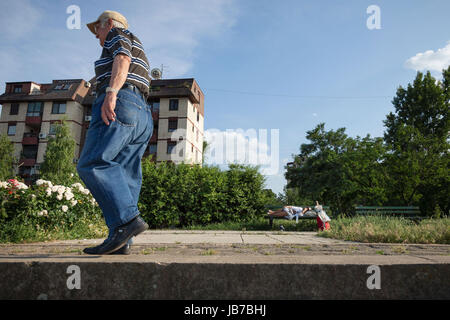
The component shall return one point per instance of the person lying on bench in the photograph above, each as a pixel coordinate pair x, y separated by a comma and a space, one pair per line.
289, 212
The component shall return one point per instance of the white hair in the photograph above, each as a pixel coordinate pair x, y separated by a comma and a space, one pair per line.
116, 24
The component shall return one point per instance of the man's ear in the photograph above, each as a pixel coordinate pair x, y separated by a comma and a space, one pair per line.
110, 23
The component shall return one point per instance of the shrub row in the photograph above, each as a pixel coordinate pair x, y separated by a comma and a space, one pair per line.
183, 195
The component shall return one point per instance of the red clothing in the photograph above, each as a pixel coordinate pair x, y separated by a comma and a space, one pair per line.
321, 226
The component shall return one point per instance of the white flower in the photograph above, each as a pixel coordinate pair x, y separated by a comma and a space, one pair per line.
54, 188
3, 184
59, 196
61, 189
85, 191
43, 213
21, 185
40, 182
78, 185
73, 202
68, 195
48, 191
64, 208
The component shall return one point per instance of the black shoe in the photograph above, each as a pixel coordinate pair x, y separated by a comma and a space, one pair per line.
120, 237
126, 250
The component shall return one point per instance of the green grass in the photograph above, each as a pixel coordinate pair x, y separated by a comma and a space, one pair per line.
18, 232
379, 229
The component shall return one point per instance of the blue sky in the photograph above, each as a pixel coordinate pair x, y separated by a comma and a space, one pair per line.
285, 65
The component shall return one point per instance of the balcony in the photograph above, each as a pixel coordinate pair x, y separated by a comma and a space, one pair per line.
27, 162
30, 138
33, 121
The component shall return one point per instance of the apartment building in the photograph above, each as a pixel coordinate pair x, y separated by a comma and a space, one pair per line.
30, 112
178, 115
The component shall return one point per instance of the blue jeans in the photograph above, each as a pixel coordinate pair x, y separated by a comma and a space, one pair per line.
110, 163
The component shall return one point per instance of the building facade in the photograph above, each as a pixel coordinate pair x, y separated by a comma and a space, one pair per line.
30, 112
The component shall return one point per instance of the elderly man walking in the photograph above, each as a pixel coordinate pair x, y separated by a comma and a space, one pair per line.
120, 129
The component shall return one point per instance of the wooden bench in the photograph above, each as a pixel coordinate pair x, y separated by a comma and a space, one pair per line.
275, 207
406, 212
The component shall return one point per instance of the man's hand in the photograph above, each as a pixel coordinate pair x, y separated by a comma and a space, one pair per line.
119, 74
109, 104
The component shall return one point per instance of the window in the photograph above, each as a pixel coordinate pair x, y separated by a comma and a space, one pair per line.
170, 147
14, 109
173, 125
192, 128
198, 116
59, 108
18, 89
155, 105
152, 148
173, 104
197, 135
53, 127
34, 109
30, 152
11, 129
62, 86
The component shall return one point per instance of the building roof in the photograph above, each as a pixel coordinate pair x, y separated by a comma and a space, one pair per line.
47, 92
82, 91
168, 88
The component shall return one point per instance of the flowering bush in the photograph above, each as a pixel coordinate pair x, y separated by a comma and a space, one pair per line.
44, 204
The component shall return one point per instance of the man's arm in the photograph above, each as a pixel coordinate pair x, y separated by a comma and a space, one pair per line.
119, 74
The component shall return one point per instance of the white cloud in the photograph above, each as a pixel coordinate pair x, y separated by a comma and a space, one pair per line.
249, 146
172, 31
430, 60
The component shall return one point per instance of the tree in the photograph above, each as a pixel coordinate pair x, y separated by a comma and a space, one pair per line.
58, 165
6, 158
338, 170
417, 136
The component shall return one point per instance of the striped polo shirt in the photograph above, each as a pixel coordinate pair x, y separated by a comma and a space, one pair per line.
123, 41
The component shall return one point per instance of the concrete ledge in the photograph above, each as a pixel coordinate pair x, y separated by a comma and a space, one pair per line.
212, 278
226, 265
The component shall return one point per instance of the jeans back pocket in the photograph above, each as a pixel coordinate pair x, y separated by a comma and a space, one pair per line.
126, 112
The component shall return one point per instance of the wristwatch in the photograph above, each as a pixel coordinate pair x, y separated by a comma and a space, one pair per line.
109, 89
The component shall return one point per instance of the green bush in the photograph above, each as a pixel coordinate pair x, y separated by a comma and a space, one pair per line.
183, 195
